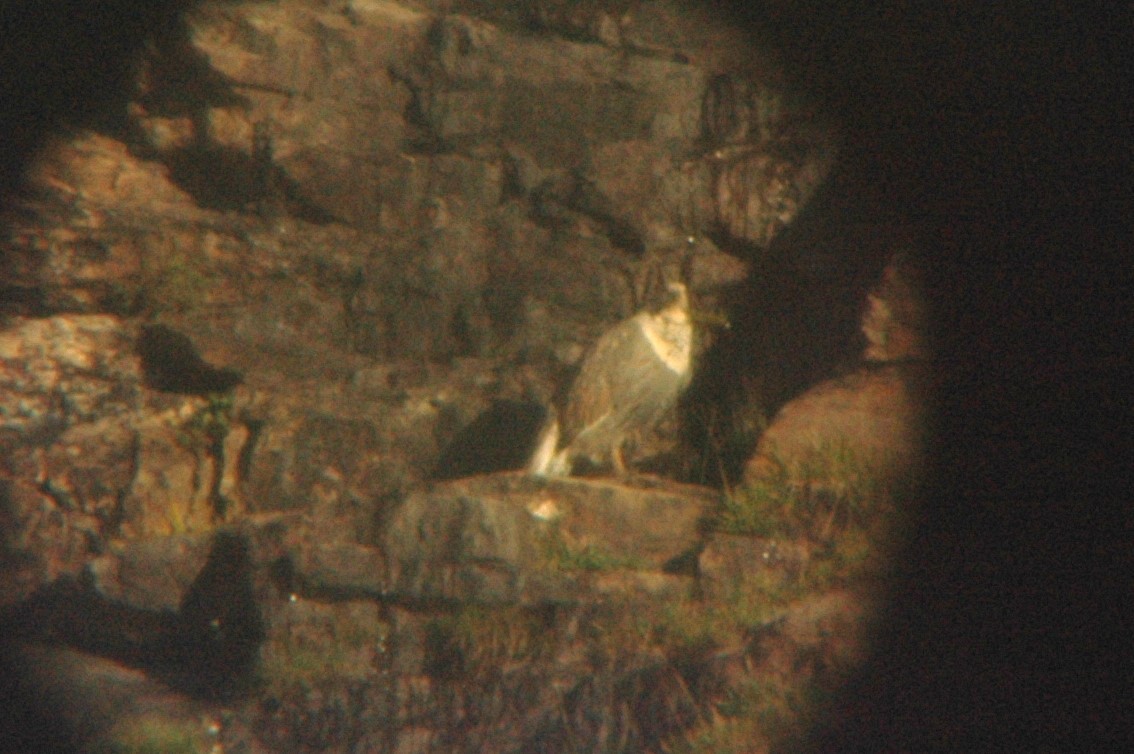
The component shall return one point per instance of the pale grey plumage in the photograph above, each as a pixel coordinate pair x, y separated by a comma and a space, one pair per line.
632, 375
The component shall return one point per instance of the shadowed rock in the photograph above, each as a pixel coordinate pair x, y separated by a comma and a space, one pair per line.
171, 363
494, 441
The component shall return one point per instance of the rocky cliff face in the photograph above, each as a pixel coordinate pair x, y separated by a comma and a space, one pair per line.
278, 332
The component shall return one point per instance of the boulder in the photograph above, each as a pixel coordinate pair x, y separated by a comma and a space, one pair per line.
507, 538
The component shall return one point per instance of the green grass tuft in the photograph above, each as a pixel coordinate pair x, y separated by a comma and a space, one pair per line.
852, 512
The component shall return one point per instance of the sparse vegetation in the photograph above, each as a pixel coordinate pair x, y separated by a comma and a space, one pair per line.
848, 508
477, 637
696, 624
725, 735
179, 518
210, 424
343, 649
751, 715
563, 556
848, 513
764, 508
203, 434
720, 441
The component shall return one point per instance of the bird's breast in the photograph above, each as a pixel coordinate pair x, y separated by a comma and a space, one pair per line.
671, 341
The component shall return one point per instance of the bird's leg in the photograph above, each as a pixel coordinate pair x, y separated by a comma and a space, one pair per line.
616, 458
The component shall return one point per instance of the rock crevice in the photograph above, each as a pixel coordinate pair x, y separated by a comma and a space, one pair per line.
278, 333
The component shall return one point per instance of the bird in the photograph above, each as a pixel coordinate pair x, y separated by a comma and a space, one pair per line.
631, 376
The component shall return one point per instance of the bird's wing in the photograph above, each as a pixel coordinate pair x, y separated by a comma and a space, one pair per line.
590, 397
621, 384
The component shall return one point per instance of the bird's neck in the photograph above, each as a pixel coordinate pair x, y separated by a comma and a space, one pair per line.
671, 337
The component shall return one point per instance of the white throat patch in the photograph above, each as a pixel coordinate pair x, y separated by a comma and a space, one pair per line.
670, 334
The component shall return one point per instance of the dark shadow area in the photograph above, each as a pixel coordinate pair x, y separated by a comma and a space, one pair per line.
500, 439
180, 82
217, 632
1002, 134
793, 323
74, 65
222, 178
170, 362
27, 722
207, 649
68, 64
23, 299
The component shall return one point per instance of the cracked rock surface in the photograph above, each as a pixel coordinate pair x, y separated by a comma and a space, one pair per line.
277, 336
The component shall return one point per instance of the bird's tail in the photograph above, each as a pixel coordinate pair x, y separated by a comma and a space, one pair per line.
545, 461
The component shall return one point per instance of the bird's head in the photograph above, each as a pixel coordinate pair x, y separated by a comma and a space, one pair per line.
678, 296
674, 303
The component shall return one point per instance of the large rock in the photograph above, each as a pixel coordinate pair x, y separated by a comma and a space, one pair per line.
56, 372
509, 538
896, 320
151, 574
865, 431
871, 421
